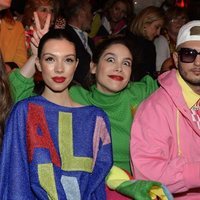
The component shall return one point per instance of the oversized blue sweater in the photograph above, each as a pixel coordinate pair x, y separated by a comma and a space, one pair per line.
55, 152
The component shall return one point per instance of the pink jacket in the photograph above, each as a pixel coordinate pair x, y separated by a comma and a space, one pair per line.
165, 142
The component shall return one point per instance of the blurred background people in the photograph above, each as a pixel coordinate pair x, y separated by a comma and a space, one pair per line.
165, 44
144, 28
42, 7
76, 18
113, 19
12, 38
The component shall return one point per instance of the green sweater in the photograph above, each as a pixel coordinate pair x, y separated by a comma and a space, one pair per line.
21, 87
120, 107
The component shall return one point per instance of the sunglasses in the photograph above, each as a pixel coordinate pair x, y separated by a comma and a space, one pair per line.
188, 55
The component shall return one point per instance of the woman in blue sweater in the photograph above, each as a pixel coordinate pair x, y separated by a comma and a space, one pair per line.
55, 148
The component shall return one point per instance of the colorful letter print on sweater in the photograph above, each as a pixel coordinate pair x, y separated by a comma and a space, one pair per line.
55, 152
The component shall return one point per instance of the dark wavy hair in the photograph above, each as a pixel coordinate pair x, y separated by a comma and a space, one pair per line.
100, 49
6, 99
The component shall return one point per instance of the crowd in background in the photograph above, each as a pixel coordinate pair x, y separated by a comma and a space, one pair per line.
108, 18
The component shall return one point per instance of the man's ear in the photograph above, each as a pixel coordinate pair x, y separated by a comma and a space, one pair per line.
93, 68
37, 63
175, 58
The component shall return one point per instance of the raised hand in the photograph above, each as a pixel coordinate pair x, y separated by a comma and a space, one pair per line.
28, 70
38, 31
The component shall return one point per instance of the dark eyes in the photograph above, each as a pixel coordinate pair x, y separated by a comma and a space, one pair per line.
110, 59
67, 60
70, 60
49, 59
125, 63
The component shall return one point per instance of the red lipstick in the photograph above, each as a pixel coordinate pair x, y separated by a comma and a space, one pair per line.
58, 79
116, 78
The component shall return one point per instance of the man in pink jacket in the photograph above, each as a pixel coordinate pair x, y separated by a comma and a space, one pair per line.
165, 135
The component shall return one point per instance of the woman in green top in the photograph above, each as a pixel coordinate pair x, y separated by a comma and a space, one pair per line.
109, 88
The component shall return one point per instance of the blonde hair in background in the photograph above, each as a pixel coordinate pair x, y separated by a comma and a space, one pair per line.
147, 16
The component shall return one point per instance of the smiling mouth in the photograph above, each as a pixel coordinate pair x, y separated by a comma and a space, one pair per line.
59, 79
116, 78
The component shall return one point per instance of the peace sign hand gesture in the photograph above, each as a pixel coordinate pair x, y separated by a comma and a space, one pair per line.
28, 70
38, 32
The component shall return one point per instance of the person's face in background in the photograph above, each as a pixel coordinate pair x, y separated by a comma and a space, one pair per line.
175, 24
85, 16
4, 4
113, 69
43, 11
118, 11
152, 30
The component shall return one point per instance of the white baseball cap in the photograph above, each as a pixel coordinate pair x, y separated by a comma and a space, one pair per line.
189, 32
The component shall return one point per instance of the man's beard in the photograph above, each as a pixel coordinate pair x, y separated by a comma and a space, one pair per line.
192, 81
